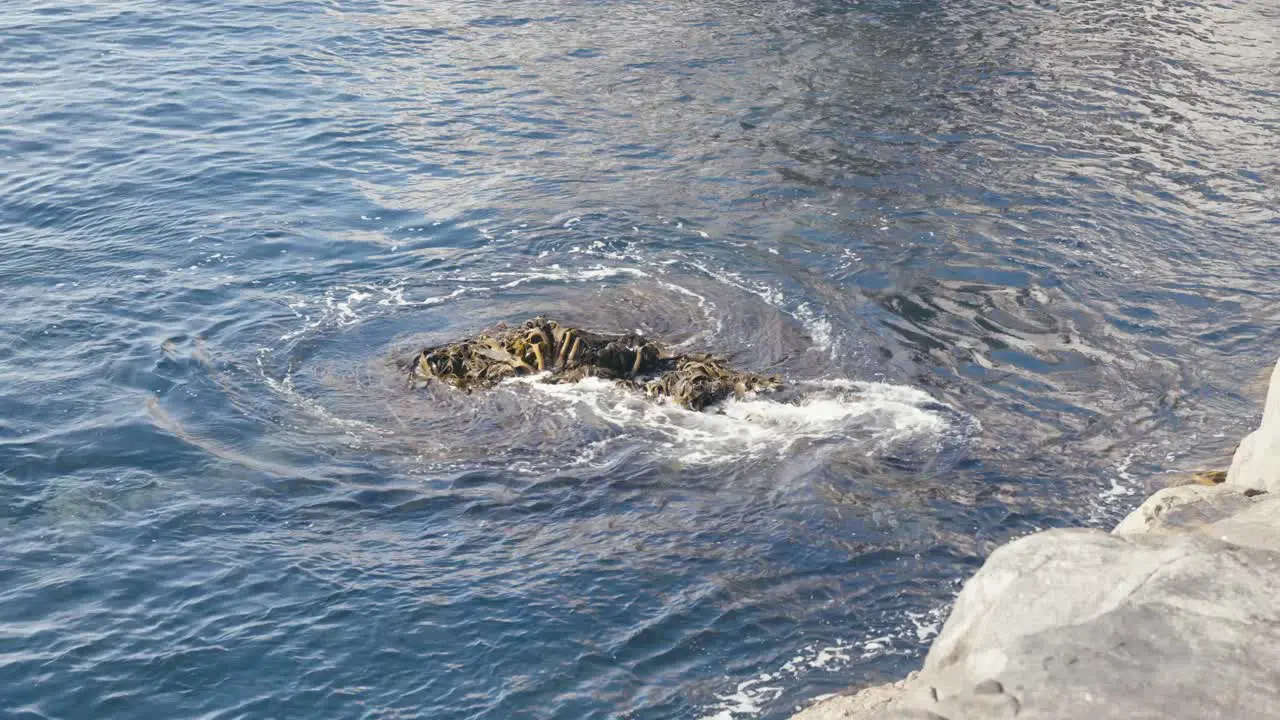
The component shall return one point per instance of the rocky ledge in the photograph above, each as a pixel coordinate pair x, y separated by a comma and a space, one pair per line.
1174, 614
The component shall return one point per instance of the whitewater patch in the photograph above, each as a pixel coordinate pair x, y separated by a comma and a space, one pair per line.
556, 273
707, 307
284, 388
905, 634
856, 417
348, 304
818, 325
1123, 491
874, 416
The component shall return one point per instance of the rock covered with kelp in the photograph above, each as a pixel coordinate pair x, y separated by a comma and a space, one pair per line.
565, 354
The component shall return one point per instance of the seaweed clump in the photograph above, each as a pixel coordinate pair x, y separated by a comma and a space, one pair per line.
567, 354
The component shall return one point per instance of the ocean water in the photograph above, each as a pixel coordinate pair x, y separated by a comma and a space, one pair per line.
1020, 263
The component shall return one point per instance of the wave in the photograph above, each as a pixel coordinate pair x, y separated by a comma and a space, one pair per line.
875, 415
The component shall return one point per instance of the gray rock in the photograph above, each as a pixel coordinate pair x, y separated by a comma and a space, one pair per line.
1257, 526
1185, 508
862, 704
1081, 623
1174, 615
1256, 463
1076, 623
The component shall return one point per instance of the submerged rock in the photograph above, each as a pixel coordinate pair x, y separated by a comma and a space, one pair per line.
568, 354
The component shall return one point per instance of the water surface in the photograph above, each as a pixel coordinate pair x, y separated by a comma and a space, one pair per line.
1020, 262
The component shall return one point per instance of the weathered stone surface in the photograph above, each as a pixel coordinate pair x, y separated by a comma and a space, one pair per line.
1257, 526
1176, 614
1077, 623
1256, 463
1086, 624
1184, 508
859, 705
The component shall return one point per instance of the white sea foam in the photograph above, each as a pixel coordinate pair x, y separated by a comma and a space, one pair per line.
708, 308
748, 699
905, 634
818, 325
873, 415
555, 273
877, 415
344, 305
284, 387
1116, 499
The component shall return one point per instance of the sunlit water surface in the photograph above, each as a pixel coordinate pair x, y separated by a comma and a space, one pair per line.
1019, 262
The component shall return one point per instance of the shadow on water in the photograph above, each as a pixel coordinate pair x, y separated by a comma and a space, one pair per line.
1018, 261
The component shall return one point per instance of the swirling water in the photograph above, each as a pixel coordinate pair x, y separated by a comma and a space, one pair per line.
1019, 259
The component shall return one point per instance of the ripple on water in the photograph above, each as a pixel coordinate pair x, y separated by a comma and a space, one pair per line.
1017, 261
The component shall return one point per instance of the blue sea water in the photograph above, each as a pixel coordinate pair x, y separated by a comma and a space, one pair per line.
1020, 262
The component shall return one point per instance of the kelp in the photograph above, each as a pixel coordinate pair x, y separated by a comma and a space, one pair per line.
567, 354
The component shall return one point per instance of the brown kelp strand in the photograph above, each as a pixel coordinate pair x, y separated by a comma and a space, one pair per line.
568, 354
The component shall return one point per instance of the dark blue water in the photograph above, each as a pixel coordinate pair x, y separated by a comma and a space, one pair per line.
1021, 262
